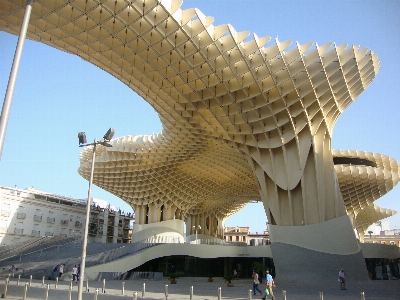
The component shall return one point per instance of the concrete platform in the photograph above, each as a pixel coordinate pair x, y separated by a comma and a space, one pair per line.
382, 290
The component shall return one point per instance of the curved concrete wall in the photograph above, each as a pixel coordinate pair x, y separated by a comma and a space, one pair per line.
315, 253
380, 251
335, 236
202, 251
171, 228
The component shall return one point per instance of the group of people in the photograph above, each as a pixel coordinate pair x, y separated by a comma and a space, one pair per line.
269, 284
75, 272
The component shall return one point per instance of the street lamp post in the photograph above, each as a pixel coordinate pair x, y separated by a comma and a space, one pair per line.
82, 143
195, 228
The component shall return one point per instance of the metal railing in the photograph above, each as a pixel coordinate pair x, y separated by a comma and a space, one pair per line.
36, 232
49, 233
51, 220
78, 224
21, 215
18, 231
36, 251
118, 253
64, 222
37, 218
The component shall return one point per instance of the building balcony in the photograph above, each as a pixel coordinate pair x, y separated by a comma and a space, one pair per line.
125, 236
37, 218
94, 220
63, 234
51, 220
21, 215
36, 232
64, 222
110, 233
18, 231
49, 233
93, 231
78, 224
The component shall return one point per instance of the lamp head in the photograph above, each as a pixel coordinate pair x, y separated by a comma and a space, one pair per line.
109, 134
82, 138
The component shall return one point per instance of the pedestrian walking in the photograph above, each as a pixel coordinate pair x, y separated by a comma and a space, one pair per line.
256, 282
342, 279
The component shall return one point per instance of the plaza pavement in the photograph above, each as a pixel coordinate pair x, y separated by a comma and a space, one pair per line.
202, 289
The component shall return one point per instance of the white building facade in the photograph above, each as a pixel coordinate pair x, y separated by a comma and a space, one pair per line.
27, 214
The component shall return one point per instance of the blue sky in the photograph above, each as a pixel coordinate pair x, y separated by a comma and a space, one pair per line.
58, 94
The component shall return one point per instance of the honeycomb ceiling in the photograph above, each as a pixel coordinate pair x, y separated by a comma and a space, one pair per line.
216, 91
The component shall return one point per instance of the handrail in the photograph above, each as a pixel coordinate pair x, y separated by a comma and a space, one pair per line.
128, 249
39, 250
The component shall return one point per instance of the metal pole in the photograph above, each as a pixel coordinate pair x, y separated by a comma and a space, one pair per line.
84, 243
46, 294
5, 289
166, 290
42, 281
284, 295
191, 292
5, 112
19, 278
362, 296
25, 290
87, 285
96, 293
70, 292
55, 285
30, 280
250, 293
135, 295
103, 289
143, 289
321, 295
219, 293
123, 288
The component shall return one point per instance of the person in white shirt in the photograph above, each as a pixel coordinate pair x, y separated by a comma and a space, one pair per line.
74, 273
61, 270
256, 282
342, 279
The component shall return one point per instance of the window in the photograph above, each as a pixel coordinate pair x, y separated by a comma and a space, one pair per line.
50, 218
63, 232
3, 226
21, 212
64, 220
71, 218
35, 230
5, 210
38, 215
78, 222
20, 228
49, 231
